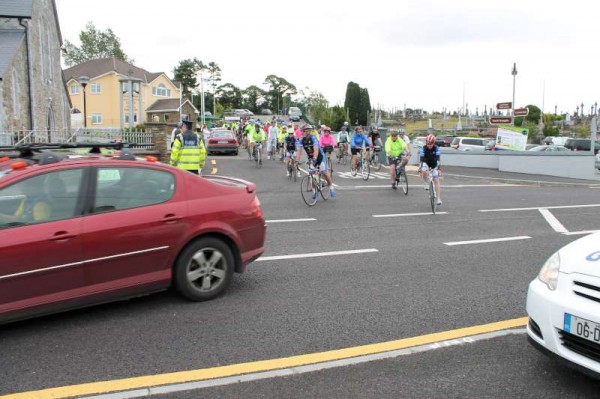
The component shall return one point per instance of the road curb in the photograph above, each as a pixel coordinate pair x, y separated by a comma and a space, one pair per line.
538, 183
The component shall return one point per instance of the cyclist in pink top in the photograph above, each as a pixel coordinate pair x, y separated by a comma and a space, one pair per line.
327, 142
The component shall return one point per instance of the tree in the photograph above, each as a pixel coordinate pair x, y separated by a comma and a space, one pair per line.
352, 101
230, 96
94, 44
186, 73
214, 76
254, 98
365, 107
279, 88
534, 113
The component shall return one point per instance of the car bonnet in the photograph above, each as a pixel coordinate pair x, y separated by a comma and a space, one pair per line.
582, 256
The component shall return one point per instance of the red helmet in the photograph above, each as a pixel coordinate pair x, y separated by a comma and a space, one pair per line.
430, 139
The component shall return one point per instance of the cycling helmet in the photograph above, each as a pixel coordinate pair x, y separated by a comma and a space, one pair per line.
430, 139
327, 129
345, 123
307, 127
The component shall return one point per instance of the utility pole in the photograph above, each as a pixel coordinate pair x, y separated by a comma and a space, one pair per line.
514, 74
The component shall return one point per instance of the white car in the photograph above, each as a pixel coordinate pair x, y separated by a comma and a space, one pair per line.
563, 304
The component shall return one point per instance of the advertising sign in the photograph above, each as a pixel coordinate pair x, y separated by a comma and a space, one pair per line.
511, 138
500, 120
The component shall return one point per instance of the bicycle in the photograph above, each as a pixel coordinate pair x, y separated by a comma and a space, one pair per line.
363, 166
293, 168
401, 179
431, 189
312, 185
272, 149
374, 158
342, 153
328, 150
257, 156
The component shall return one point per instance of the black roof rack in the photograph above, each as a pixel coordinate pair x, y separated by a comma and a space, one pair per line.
28, 150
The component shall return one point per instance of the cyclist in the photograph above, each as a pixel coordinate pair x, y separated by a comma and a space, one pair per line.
273, 132
343, 139
327, 141
280, 140
429, 159
315, 155
408, 151
374, 136
256, 137
289, 146
394, 148
358, 140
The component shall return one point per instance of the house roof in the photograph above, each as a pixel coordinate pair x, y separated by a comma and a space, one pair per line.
168, 105
102, 66
10, 41
16, 8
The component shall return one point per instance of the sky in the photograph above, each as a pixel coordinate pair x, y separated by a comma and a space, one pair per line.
425, 54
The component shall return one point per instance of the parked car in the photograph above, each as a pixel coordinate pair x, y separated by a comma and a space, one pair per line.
419, 141
78, 230
266, 111
563, 304
548, 148
294, 114
222, 141
582, 145
469, 144
556, 140
444, 140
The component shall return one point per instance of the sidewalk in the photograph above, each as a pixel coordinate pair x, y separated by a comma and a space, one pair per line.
516, 178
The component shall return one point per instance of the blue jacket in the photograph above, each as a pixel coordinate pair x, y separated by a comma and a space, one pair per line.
357, 140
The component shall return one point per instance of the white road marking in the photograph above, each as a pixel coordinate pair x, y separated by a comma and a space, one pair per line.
535, 208
393, 215
571, 233
487, 240
290, 220
317, 254
553, 221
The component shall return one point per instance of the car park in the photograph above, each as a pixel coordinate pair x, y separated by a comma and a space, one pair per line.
221, 141
469, 144
115, 226
563, 304
549, 148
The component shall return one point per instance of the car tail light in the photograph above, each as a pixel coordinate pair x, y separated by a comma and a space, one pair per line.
150, 158
232, 142
256, 210
211, 141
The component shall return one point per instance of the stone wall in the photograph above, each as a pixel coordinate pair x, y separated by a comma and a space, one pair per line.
15, 81
161, 137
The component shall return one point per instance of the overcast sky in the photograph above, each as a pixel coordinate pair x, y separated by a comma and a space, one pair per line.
422, 53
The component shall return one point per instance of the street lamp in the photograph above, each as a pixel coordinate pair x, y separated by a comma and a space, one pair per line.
83, 81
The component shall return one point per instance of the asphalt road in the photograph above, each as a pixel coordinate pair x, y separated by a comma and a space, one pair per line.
405, 281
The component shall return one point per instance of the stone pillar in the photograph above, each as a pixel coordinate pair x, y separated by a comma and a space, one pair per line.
160, 139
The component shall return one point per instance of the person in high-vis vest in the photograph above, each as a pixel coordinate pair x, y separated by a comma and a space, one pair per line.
188, 150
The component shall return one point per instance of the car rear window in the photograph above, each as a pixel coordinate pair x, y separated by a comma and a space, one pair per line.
222, 135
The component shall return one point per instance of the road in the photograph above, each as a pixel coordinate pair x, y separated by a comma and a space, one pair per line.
417, 309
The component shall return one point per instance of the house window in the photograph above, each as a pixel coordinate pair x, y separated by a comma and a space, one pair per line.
134, 118
166, 116
161, 91
96, 88
16, 93
96, 119
75, 88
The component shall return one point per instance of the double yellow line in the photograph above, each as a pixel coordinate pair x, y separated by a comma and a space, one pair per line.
105, 387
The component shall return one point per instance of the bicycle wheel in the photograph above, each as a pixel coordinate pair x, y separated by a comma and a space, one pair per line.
432, 196
330, 167
325, 191
308, 189
365, 170
258, 158
295, 171
402, 180
249, 153
290, 169
376, 163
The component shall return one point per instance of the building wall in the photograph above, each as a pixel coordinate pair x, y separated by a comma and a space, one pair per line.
51, 109
14, 112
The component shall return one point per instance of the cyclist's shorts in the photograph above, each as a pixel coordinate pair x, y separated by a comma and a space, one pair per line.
290, 154
391, 160
355, 150
426, 167
321, 163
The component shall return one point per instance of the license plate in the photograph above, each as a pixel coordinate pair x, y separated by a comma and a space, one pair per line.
582, 328
222, 141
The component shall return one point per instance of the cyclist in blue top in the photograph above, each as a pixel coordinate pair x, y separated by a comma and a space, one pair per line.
315, 155
356, 144
429, 160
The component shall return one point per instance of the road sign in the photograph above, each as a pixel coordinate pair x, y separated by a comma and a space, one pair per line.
501, 120
521, 111
504, 106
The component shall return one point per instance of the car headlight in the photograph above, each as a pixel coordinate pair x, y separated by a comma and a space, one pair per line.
549, 273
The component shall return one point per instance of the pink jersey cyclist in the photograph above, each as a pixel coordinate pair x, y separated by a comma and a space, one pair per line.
327, 140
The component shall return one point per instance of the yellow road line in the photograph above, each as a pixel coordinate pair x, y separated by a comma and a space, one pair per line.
214, 171
262, 365
213, 162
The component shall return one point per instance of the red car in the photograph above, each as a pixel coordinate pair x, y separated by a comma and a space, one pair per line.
223, 141
77, 230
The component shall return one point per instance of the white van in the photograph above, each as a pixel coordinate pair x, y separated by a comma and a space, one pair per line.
555, 140
294, 113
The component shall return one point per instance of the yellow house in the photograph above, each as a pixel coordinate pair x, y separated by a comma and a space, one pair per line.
108, 100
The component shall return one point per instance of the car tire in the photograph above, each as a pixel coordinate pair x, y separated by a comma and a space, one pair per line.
204, 269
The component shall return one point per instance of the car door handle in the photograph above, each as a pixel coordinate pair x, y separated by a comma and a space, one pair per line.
62, 235
171, 218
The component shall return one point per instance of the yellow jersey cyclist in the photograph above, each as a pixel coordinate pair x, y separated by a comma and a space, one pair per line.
395, 147
256, 139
